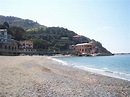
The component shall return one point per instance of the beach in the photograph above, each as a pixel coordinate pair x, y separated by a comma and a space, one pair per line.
40, 76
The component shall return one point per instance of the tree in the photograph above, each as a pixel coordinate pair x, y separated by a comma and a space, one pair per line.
6, 25
17, 33
2, 27
41, 44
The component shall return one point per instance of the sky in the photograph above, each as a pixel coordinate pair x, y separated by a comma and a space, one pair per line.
107, 21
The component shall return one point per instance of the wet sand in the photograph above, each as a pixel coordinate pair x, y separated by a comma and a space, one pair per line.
39, 76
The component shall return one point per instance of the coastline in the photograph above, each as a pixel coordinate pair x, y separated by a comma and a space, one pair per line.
102, 71
42, 76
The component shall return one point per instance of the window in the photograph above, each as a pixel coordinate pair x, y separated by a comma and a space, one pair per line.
5, 47
9, 47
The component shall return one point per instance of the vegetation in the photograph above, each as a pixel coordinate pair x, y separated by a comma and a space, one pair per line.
22, 23
52, 39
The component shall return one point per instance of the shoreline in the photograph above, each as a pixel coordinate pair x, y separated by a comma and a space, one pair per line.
42, 76
93, 70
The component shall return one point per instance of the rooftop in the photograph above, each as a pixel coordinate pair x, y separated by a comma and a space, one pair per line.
78, 36
83, 44
1, 30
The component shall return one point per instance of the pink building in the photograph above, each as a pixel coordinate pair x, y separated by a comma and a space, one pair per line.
26, 45
83, 48
86, 48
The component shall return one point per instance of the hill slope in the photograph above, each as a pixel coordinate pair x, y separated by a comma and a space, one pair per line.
44, 38
23, 23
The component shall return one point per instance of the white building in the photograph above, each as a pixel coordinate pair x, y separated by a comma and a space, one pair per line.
6, 41
4, 37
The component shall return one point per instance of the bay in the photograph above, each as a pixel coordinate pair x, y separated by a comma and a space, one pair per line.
117, 66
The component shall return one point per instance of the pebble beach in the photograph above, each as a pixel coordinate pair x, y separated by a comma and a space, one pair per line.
40, 76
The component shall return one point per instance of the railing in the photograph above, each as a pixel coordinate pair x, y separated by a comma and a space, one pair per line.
16, 52
7, 50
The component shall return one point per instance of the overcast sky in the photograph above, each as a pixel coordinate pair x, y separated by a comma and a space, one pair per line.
107, 21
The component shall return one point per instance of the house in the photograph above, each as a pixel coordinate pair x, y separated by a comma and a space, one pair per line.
4, 37
6, 41
26, 45
71, 47
12, 46
64, 38
78, 38
85, 48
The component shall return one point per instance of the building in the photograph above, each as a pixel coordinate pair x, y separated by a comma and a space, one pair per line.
78, 38
4, 37
26, 45
85, 48
64, 38
6, 41
9, 46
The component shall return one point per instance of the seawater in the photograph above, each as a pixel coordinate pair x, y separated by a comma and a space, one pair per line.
117, 66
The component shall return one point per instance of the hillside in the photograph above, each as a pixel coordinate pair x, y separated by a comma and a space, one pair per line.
44, 38
23, 23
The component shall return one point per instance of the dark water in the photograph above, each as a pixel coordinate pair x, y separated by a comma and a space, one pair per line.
117, 66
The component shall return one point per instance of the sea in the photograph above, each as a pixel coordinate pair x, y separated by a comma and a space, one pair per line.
117, 66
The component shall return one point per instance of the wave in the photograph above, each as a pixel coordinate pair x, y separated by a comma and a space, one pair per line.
115, 74
59, 61
104, 71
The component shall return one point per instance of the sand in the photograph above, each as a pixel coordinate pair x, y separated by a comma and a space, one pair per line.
40, 76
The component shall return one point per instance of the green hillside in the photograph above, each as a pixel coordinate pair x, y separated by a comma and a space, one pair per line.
44, 38
23, 23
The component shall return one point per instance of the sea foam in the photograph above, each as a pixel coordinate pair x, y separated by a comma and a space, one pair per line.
104, 71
